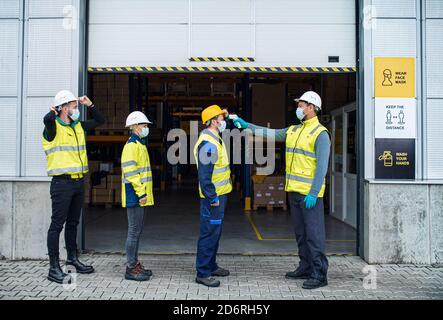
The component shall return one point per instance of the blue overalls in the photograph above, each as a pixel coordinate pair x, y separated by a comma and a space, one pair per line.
211, 217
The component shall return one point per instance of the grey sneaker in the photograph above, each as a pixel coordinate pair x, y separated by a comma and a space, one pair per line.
220, 272
209, 282
136, 274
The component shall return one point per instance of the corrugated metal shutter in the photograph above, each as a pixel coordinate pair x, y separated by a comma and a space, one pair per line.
168, 33
9, 65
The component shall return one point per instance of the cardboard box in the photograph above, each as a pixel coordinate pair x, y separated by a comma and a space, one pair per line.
102, 196
102, 184
106, 166
269, 190
94, 166
113, 182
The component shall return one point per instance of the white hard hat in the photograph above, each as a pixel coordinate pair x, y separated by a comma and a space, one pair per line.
310, 97
63, 97
136, 117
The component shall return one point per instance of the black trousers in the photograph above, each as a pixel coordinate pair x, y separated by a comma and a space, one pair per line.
67, 197
309, 227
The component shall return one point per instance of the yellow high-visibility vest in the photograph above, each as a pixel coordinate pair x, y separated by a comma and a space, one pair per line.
301, 161
66, 154
136, 174
221, 176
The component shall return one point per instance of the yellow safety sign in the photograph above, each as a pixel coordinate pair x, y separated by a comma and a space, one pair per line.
394, 77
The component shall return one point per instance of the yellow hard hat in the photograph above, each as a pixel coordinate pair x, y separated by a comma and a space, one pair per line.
212, 111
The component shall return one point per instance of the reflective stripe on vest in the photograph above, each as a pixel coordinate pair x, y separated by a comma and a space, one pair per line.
135, 172
67, 170
142, 180
65, 148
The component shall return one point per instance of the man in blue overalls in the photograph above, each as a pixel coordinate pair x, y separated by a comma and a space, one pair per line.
214, 178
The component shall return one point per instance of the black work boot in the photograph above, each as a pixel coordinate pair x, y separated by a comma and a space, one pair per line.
72, 260
314, 283
55, 272
297, 275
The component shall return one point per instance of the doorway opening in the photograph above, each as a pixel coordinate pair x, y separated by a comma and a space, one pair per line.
173, 100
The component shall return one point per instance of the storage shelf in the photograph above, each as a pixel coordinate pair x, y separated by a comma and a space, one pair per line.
116, 138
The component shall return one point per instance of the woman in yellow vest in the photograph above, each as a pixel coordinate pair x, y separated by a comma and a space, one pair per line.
136, 191
65, 148
214, 176
307, 157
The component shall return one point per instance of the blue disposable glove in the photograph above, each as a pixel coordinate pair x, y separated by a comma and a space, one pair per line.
310, 201
238, 122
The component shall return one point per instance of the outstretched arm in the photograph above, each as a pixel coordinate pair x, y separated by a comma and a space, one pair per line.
278, 134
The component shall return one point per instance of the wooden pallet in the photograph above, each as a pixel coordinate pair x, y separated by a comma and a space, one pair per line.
270, 207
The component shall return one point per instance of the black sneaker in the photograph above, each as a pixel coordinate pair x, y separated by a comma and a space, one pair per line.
313, 283
135, 274
220, 272
297, 275
209, 282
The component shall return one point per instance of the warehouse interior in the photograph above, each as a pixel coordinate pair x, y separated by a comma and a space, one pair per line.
253, 224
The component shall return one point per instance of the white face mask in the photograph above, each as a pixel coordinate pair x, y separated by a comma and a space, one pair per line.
222, 126
299, 113
144, 133
75, 114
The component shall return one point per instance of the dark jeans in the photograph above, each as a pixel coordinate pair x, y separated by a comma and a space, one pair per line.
309, 227
136, 218
211, 224
67, 201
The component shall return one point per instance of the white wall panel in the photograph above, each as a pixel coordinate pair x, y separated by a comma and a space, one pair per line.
49, 8
434, 9
134, 45
221, 41
9, 8
434, 58
49, 62
394, 38
10, 37
305, 45
34, 160
8, 136
395, 8
227, 11
435, 138
138, 11
9, 46
305, 11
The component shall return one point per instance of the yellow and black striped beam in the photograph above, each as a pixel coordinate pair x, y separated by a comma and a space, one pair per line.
222, 69
222, 59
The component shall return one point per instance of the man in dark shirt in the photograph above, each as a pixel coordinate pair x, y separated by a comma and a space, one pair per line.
64, 144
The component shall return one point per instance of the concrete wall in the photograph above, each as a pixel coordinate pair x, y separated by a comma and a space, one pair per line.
403, 223
25, 216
